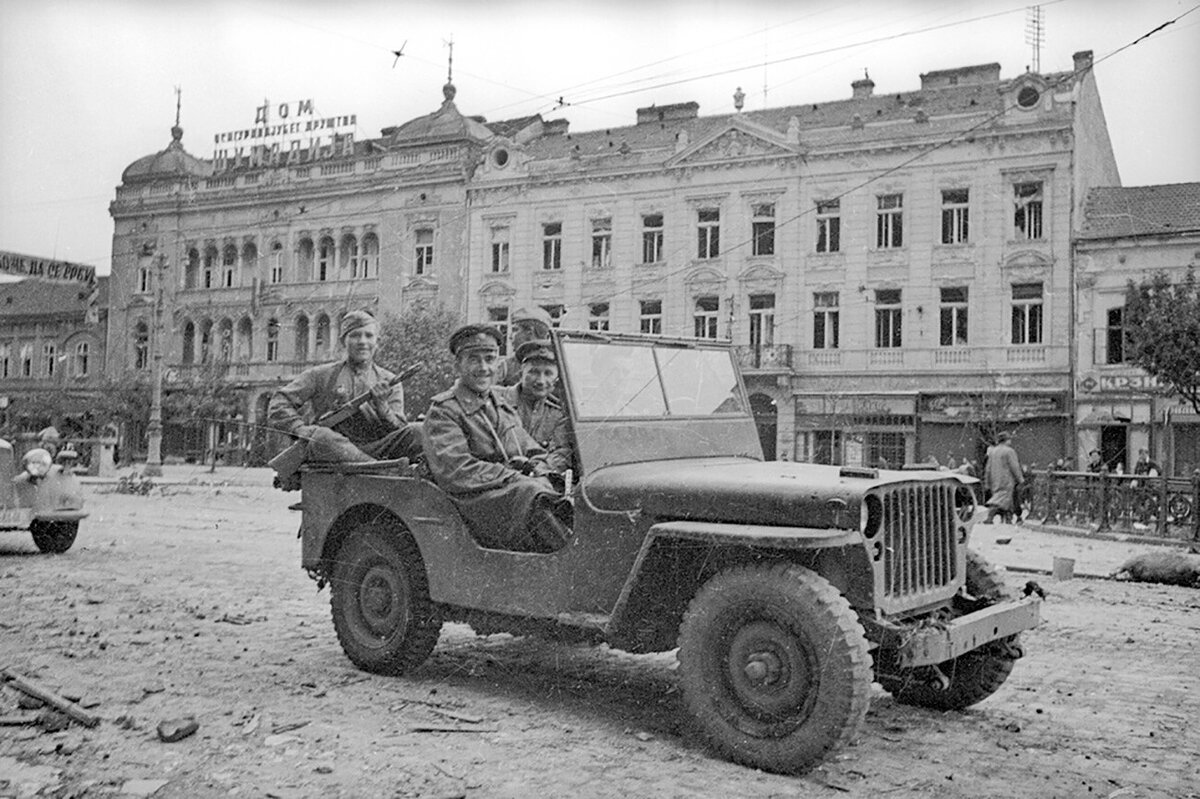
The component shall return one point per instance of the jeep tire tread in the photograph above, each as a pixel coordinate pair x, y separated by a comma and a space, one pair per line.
973, 676
52, 536
774, 666
379, 597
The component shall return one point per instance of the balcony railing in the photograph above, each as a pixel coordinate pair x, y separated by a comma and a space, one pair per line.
773, 358
939, 359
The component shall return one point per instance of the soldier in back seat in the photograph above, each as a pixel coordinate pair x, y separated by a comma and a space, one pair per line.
378, 431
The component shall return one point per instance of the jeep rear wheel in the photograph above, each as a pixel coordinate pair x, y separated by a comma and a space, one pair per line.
53, 537
384, 619
971, 677
774, 666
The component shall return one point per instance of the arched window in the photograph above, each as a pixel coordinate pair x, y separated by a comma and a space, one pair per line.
141, 346
325, 253
5, 360
250, 257
82, 356
305, 254
189, 342
368, 258
273, 340
206, 341
229, 267
350, 260
276, 262
245, 340
321, 347
192, 269
225, 340
209, 278
301, 348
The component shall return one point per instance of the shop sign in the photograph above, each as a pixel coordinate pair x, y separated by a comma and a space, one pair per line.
991, 406
295, 125
1122, 384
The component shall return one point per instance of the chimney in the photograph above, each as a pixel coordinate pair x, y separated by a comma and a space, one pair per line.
863, 87
667, 113
1083, 61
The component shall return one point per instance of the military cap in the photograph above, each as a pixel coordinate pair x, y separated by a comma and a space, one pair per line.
538, 350
533, 314
355, 320
475, 337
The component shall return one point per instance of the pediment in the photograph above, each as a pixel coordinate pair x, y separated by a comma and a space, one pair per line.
1027, 258
706, 277
422, 284
761, 273
497, 288
735, 141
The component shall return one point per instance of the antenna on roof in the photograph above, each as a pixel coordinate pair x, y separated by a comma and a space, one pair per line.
178, 102
450, 62
1035, 34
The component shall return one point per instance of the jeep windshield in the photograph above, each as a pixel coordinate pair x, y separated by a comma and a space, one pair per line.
639, 380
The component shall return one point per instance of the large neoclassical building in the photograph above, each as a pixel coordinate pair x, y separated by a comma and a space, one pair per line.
895, 269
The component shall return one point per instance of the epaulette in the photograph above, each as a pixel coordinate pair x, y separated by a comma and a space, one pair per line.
554, 402
445, 395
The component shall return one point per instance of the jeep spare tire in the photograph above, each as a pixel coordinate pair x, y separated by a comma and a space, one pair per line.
774, 666
384, 619
53, 537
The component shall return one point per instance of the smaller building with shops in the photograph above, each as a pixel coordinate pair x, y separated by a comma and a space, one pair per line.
1130, 233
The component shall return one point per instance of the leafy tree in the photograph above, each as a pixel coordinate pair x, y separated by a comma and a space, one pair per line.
419, 335
1162, 328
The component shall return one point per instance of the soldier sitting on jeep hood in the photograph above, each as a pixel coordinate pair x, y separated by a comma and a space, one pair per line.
481, 456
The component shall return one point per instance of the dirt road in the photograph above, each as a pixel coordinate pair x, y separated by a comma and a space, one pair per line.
190, 602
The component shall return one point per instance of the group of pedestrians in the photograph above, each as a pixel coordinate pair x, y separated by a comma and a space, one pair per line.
496, 441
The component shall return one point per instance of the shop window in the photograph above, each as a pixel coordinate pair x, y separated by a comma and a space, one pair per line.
884, 449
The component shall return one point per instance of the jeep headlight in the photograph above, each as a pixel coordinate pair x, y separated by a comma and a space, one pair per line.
36, 462
870, 516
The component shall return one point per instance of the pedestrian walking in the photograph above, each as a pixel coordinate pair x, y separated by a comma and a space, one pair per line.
1003, 478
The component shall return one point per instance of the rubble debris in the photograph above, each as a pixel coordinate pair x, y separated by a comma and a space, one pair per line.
449, 728
174, 730
18, 719
52, 721
30, 688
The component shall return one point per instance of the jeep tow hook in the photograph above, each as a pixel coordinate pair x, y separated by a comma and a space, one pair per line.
938, 680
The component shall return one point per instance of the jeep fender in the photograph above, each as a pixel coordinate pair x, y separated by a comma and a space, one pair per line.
677, 557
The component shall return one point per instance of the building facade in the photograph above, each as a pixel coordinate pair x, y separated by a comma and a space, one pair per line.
1130, 233
52, 341
895, 270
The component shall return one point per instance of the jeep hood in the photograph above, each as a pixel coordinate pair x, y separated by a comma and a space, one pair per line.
742, 490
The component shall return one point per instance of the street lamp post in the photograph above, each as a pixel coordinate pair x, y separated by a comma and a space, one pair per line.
154, 429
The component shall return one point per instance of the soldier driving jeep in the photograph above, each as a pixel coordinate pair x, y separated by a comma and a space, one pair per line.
480, 454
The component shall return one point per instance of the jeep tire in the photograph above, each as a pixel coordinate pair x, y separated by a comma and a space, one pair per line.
52, 536
774, 667
379, 598
974, 675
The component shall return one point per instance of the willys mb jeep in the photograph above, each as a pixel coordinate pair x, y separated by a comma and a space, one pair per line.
40, 496
787, 587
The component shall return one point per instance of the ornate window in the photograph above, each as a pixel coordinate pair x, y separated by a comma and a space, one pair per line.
602, 243
651, 318
210, 266
829, 226
325, 251
498, 318
762, 321
708, 233
955, 216
49, 358
1027, 211
762, 228
229, 266
141, 346
82, 359
423, 257
888, 333
500, 249
826, 321
273, 340
598, 316
350, 257
953, 317
369, 258
552, 246
652, 238
301, 343
706, 318
889, 221
1027, 313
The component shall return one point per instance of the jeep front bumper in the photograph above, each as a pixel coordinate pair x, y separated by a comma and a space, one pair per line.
936, 643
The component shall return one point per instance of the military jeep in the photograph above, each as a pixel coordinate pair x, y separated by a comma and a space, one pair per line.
787, 587
40, 496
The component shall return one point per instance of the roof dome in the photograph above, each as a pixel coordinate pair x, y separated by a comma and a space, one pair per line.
173, 162
445, 124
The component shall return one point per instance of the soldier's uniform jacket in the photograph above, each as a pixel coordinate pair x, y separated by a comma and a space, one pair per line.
546, 422
468, 440
327, 387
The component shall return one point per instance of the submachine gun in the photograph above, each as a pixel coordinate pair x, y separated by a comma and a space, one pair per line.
288, 461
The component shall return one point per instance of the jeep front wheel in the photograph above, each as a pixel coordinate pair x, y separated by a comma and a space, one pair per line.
53, 537
384, 619
774, 666
970, 677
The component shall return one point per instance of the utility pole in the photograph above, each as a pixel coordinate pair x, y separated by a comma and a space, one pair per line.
155, 428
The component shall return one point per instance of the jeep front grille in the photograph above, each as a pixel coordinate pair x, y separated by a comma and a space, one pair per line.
918, 530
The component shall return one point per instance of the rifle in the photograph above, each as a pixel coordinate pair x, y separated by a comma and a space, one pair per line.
287, 462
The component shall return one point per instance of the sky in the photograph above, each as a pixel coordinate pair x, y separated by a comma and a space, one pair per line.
88, 86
